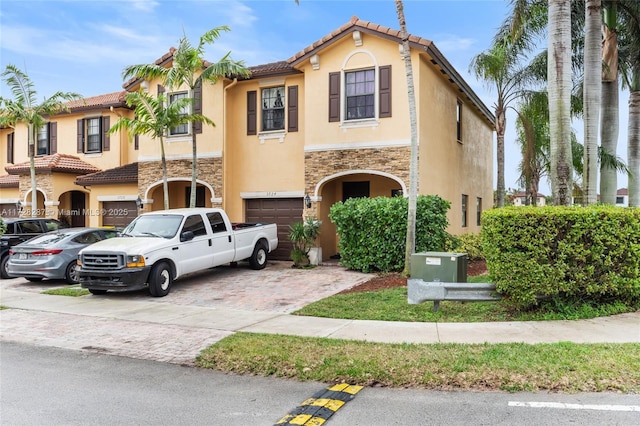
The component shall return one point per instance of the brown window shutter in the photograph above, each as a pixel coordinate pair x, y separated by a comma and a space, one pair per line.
197, 107
334, 96
10, 148
136, 142
160, 88
80, 135
53, 138
106, 140
292, 108
252, 112
385, 91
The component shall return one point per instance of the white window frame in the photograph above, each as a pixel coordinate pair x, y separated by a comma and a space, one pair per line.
86, 135
263, 107
47, 140
363, 122
189, 126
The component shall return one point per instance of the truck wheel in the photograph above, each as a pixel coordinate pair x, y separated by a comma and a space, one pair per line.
160, 280
71, 275
258, 259
97, 292
3, 267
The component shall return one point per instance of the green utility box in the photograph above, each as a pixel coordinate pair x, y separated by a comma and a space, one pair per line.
431, 266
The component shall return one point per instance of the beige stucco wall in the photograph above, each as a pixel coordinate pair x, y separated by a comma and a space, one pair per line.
449, 168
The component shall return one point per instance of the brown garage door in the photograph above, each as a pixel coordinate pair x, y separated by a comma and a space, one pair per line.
118, 214
282, 211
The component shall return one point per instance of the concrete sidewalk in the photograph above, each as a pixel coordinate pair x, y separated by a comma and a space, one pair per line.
177, 333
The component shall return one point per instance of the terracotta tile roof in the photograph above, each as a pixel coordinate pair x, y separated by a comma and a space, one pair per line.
115, 99
123, 174
273, 68
622, 191
355, 24
9, 181
63, 163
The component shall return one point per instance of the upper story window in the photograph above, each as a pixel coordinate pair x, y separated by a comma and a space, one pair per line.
93, 137
93, 141
360, 94
273, 108
182, 129
459, 121
43, 145
10, 150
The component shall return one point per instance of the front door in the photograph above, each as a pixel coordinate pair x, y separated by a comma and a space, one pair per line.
77, 209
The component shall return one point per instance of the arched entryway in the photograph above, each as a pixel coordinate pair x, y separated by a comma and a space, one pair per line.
179, 194
345, 185
72, 208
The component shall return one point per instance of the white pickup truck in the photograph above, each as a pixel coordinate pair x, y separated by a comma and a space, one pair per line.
162, 246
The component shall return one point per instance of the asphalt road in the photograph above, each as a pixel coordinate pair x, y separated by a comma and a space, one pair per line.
51, 386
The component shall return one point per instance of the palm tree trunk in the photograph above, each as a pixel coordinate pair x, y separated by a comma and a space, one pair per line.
413, 167
559, 87
591, 97
501, 123
165, 178
32, 169
609, 118
633, 146
194, 168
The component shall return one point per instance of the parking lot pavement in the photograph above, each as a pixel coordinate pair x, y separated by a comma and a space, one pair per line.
277, 289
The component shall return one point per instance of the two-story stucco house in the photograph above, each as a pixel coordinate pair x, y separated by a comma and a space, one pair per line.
329, 123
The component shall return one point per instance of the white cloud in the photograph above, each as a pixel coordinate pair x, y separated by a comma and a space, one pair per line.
144, 5
453, 43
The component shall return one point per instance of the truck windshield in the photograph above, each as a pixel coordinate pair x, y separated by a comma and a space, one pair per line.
164, 226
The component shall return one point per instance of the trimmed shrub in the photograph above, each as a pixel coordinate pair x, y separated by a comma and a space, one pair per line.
471, 244
372, 231
590, 253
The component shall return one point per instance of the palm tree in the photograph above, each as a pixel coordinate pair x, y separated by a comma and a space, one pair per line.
630, 66
559, 88
609, 118
591, 98
154, 116
410, 241
190, 69
498, 67
23, 108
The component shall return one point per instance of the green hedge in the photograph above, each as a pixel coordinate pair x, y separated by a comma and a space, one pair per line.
372, 231
591, 253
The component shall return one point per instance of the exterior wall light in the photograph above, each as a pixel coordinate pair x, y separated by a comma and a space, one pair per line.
307, 201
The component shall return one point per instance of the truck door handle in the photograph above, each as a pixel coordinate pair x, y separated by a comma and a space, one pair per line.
229, 238
175, 248
209, 242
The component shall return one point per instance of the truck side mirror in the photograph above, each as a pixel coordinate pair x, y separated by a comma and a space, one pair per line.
186, 236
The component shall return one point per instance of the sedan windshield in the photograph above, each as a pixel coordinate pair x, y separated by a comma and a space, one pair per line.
164, 226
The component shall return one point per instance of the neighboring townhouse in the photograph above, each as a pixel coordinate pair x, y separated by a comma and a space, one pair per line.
329, 123
520, 199
622, 197
71, 144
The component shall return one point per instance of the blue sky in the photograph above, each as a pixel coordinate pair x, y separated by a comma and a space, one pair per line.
83, 45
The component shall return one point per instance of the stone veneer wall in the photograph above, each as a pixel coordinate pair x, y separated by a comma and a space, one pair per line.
209, 170
44, 183
320, 164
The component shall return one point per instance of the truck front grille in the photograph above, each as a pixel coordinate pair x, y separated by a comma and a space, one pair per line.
103, 261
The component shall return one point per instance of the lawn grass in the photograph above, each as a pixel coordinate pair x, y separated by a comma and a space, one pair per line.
513, 367
73, 290
391, 305
561, 367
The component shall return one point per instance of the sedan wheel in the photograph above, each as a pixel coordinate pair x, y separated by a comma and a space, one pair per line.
71, 274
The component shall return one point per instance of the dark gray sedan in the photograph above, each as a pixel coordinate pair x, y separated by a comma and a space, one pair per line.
53, 255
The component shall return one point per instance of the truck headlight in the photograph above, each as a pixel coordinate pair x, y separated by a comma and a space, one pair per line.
135, 261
